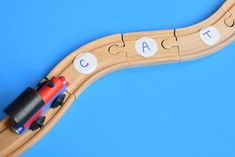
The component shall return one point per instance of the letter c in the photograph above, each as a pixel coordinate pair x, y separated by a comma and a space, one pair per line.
82, 63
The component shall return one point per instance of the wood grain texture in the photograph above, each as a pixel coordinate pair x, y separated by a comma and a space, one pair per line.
117, 52
163, 55
198, 49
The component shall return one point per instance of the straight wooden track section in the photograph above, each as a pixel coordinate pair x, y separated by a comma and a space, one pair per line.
122, 51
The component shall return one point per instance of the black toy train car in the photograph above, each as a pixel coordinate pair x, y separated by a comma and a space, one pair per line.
28, 109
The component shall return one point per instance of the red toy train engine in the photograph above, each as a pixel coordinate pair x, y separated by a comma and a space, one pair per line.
28, 109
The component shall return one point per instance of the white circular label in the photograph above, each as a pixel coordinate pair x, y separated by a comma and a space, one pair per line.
210, 35
85, 63
146, 47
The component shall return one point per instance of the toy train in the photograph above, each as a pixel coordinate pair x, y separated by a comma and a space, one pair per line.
28, 109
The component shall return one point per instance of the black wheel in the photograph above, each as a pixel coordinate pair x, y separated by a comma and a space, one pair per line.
38, 123
42, 83
50, 83
59, 101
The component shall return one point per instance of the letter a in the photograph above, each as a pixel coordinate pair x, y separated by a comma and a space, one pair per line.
145, 45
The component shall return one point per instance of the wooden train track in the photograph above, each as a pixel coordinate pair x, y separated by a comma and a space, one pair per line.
119, 51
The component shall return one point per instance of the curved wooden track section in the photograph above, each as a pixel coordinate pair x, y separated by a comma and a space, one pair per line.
118, 52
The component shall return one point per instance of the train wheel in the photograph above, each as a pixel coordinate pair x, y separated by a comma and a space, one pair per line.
50, 83
59, 101
38, 123
42, 83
